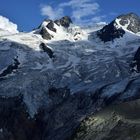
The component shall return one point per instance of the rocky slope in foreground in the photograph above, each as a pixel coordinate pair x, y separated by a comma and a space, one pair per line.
115, 122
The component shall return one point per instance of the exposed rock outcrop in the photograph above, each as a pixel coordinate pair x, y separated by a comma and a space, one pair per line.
10, 68
49, 28
50, 25
132, 20
46, 49
116, 122
110, 32
65, 21
45, 35
15, 122
118, 27
136, 61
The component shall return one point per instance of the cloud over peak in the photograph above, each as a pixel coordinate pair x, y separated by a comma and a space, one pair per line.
80, 10
50, 12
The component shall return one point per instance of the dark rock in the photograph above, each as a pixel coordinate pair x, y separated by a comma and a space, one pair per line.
10, 68
43, 30
133, 20
47, 50
63, 118
110, 32
65, 21
110, 122
136, 61
57, 95
15, 122
50, 26
45, 35
137, 55
57, 22
59, 122
77, 33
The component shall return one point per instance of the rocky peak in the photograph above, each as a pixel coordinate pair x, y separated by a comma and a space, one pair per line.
129, 15
59, 29
46, 25
131, 20
110, 32
118, 27
65, 21
45, 34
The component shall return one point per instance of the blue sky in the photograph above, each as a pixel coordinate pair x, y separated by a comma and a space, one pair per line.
28, 14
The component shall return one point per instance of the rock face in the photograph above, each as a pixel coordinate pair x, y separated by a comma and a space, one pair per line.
136, 61
45, 48
132, 20
65, 21
50, 25
15, 122
60, 29
117, 122
118, 27
10, 68
110, 32
45, 35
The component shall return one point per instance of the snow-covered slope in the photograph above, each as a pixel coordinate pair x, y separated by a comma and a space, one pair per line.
67, 71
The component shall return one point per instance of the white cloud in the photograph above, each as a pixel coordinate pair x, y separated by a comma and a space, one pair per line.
50, 12
81, 10
7, 25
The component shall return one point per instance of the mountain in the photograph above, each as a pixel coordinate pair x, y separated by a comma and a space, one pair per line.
59, 30
55, 76
122, 25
